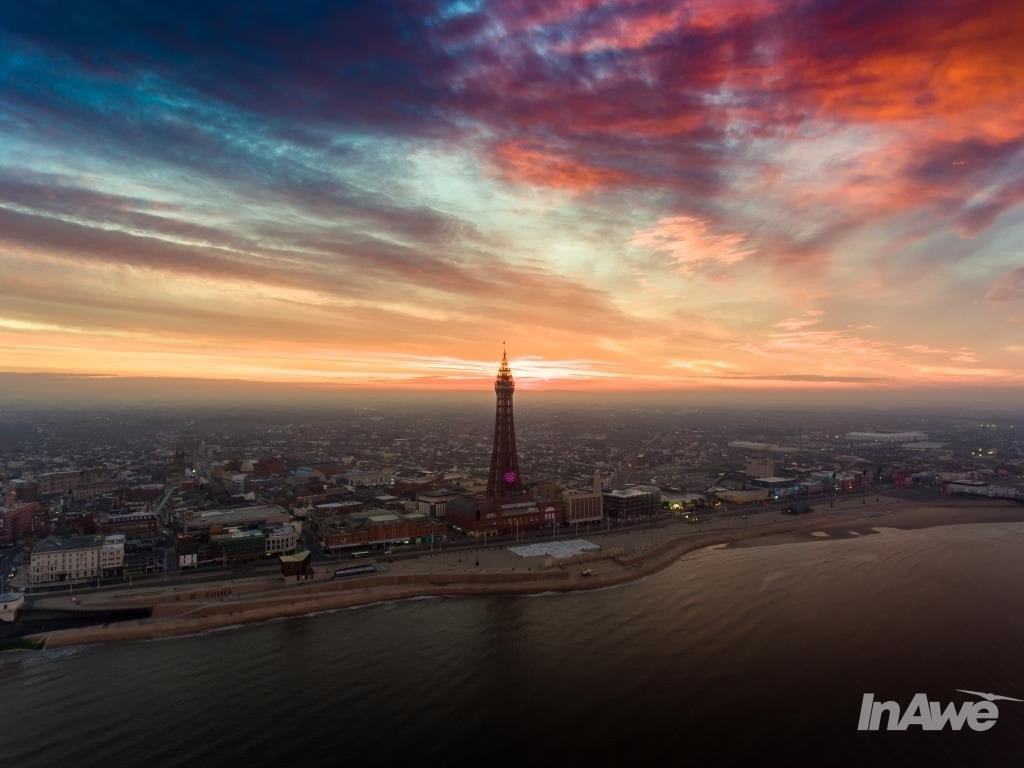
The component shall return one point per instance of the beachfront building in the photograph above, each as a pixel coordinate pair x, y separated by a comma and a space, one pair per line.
980, 488
378, 529
435, 503
478, 515
778, 487
742, 496
11, 604
281, 540
631, 503
76, 559
580, 506
238, 546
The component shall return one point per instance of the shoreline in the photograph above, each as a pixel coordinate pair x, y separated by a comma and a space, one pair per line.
201, 609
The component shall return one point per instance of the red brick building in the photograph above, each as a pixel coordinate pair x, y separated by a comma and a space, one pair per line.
137, 525
379, 528
16, 522
488, 517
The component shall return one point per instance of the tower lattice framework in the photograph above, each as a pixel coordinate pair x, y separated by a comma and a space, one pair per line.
503, 480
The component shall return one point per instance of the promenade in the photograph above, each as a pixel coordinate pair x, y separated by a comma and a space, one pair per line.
180, 609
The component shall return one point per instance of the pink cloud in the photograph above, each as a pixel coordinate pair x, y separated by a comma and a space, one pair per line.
691, 244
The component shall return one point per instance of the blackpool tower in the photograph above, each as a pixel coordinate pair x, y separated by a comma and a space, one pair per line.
504, 481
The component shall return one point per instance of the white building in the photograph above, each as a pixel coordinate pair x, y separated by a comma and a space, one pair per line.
580, 506
434, 503
112, 554
984, 489
365, 478
886, 437
10, 604
76, 559
282, 540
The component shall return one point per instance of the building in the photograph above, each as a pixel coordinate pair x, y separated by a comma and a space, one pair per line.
810, 487
212, 519
379, 528
503, 480
751, 496
434, 503
134, 525
234, 482
680, 502
111, 555
631, 503
759, 466
95, 483
299, 565
968, 488
748, 445
579, 506
778, 487
11, 604
18, 491
281, 540
16, 522
365, 478
50, 483
478, 515
145, 562
179, 462
238, 546
887, 437
839, 481
75, 559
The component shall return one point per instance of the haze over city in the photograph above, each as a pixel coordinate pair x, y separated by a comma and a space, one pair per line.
636, 195
548, 382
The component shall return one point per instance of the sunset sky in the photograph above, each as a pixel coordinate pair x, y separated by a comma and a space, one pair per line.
631, 194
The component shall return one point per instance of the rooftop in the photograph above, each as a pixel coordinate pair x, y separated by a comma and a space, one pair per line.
270, 513
56, 544
629, 493
238, 535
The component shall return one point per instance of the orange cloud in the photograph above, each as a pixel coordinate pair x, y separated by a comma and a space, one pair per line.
532, 164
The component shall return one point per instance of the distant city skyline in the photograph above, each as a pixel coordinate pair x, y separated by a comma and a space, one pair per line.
708, 196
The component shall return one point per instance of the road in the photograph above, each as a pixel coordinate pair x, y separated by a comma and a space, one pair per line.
8, 558
469, 544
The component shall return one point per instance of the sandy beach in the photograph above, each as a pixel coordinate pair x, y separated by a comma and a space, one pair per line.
185, 609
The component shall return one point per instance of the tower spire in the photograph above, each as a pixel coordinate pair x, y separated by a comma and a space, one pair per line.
504, 372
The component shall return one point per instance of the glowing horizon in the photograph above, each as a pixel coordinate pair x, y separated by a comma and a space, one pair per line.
635, 194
